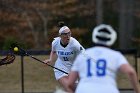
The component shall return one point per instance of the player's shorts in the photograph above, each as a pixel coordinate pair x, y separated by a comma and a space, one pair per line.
59, 74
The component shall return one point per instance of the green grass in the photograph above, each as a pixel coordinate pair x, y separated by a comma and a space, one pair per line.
37, 76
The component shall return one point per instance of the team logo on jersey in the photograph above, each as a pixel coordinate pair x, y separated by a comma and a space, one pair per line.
65, 53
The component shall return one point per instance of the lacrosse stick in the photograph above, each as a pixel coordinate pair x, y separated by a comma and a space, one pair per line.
23, 52
8, 59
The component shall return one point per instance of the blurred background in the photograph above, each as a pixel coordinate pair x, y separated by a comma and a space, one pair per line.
33, 25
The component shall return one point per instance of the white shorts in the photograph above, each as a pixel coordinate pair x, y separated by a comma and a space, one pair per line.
59, 74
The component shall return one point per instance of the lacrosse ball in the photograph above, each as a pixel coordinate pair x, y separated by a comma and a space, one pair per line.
15, 49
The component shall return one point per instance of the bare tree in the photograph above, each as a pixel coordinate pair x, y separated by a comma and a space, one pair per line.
99, 11
44, 20
126, 23
34, 33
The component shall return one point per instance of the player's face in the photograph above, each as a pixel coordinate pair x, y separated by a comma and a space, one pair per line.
65, 36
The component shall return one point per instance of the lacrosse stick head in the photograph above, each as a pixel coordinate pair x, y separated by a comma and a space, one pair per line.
8, 59
17, 50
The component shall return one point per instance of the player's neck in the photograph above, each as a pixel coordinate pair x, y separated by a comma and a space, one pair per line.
101, 45
62, 44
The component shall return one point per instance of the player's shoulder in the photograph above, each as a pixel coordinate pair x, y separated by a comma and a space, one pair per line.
89, 50
56, 40
103, 49
114, 52
73, 40
119, 53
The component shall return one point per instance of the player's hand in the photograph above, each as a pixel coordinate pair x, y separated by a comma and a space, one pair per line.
47, 61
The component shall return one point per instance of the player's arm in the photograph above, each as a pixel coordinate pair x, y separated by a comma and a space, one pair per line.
79, 48
131, 73
52, 57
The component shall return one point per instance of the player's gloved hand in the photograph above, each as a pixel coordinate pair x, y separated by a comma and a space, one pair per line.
47, 61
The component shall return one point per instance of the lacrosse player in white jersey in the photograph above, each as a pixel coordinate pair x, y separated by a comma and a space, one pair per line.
65, 48
97, 68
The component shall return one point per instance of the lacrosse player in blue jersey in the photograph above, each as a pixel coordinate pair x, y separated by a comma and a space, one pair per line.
65, 49
97, 68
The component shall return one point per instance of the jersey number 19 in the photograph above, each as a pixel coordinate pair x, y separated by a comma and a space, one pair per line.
100, 67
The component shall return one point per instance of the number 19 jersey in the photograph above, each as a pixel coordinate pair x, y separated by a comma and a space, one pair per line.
97, 69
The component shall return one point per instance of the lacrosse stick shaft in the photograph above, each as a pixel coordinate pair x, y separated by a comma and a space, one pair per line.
42, 61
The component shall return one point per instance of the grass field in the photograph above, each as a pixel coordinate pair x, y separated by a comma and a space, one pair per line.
37, 76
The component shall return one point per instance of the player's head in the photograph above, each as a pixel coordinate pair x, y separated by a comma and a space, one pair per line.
104, 35
63, 28
64, 32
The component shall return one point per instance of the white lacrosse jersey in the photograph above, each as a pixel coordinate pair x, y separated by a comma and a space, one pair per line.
66, 55
97, 69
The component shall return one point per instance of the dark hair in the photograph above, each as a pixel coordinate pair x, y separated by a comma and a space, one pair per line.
61, 24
